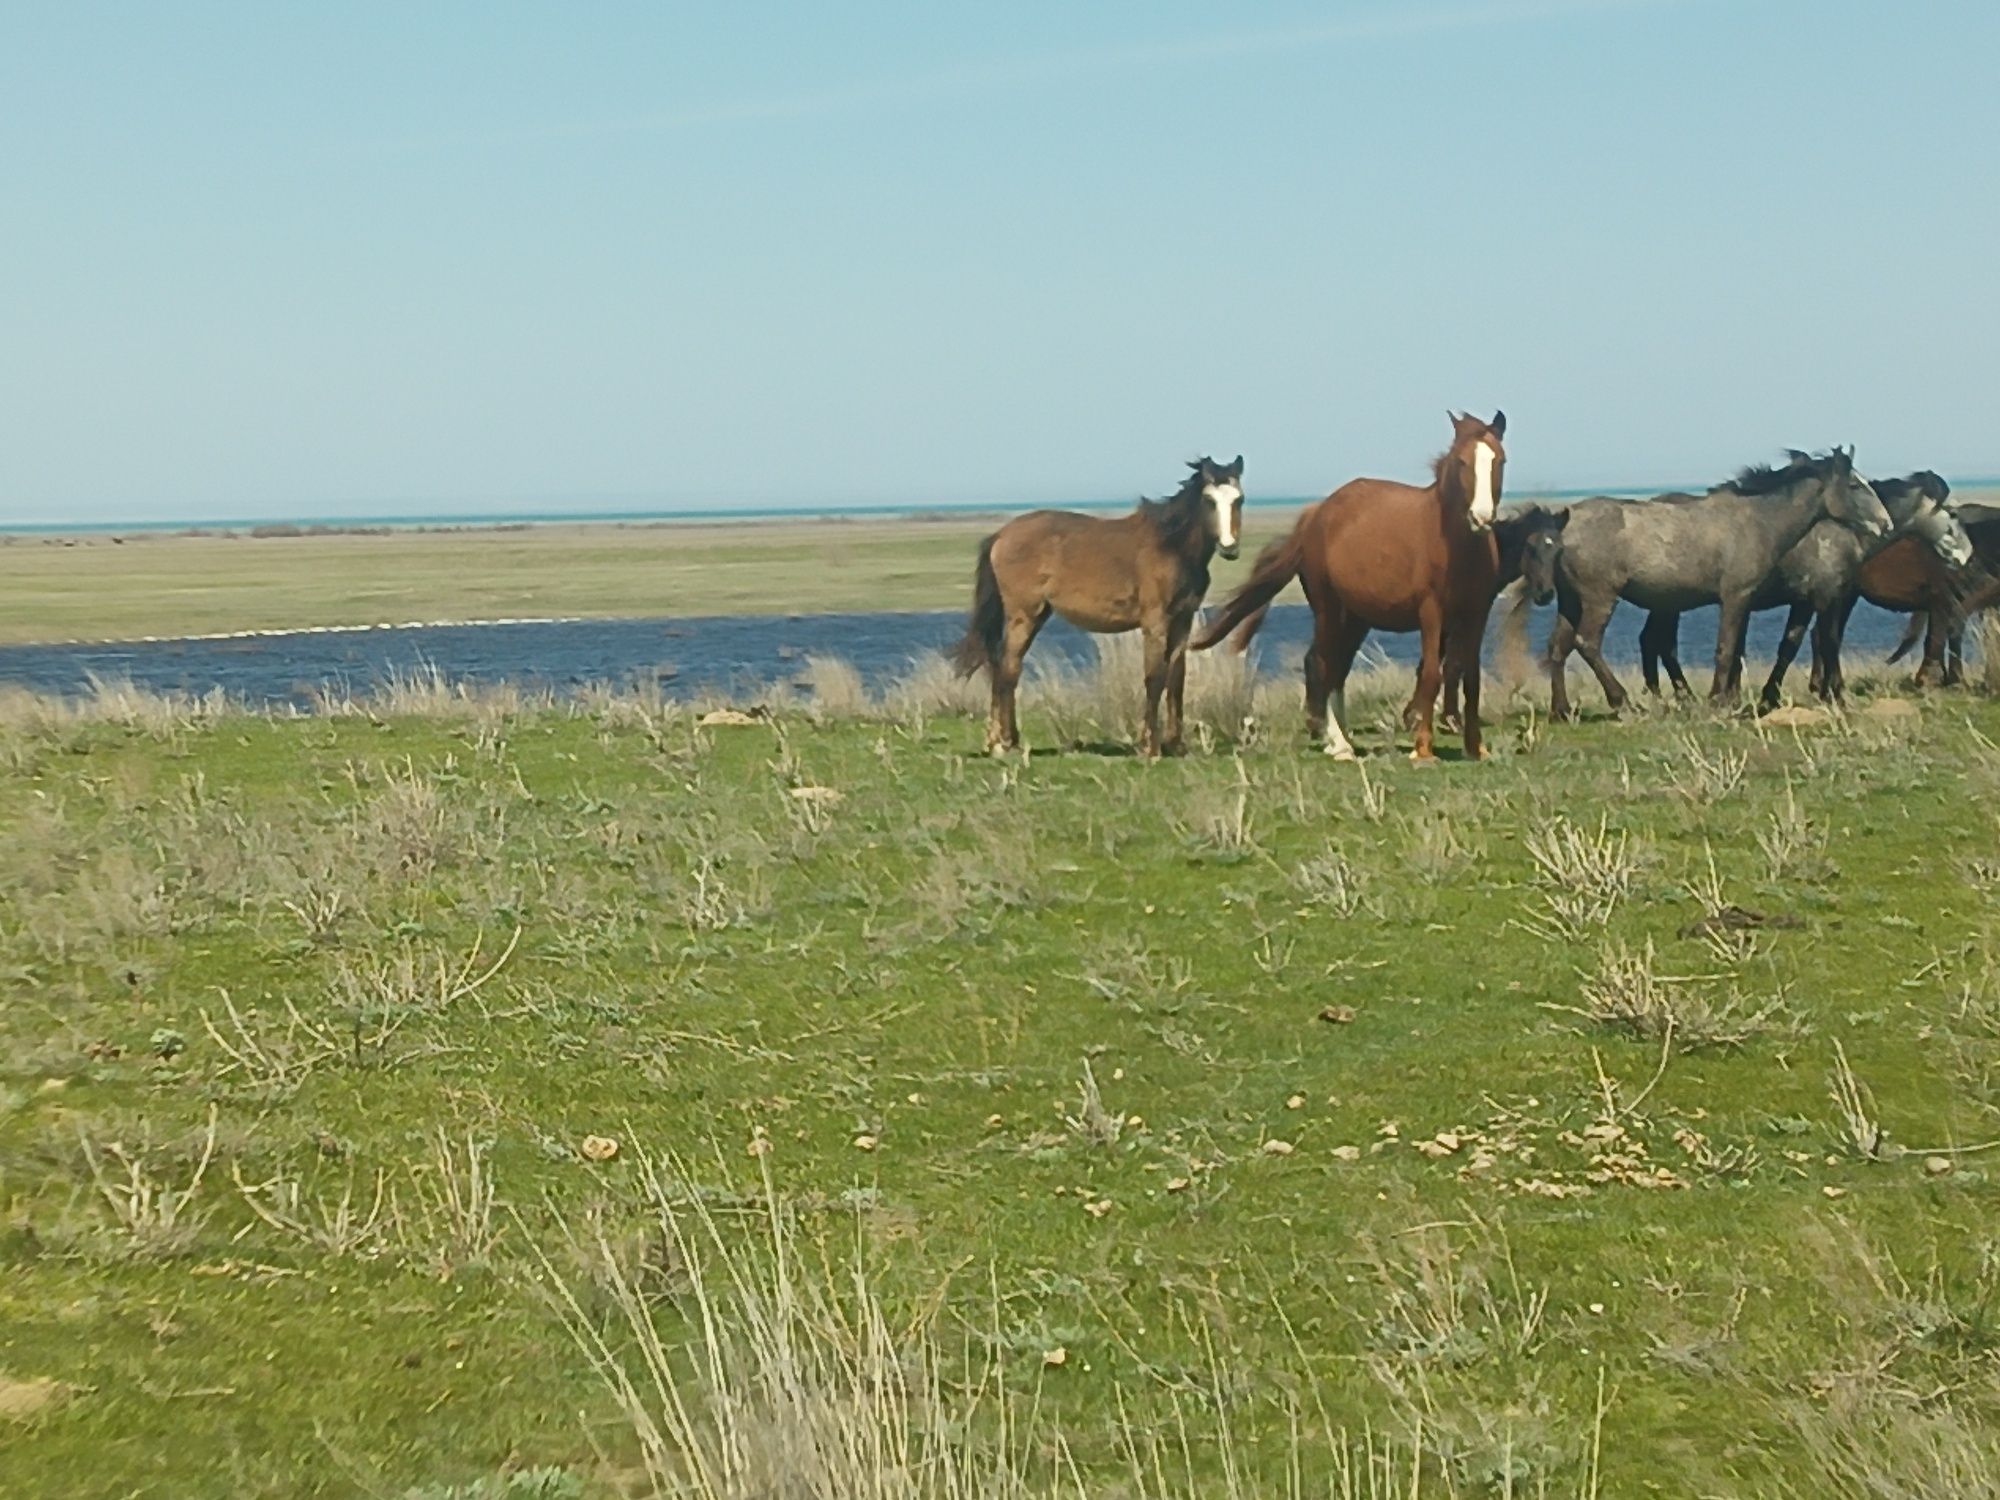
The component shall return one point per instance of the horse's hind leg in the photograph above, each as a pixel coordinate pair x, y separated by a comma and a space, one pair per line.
1670, 656
1319, 667
1649, 649
1788, 650
1937, 635
1660, 646
1335, 640
1003, 729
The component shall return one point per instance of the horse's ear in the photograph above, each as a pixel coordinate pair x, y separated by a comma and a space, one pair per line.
1235, 470
1498, 426
1561, 518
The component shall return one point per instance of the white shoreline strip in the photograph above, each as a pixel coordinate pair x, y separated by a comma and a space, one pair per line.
284, 630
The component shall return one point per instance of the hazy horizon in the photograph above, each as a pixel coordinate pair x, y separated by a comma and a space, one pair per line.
377, 262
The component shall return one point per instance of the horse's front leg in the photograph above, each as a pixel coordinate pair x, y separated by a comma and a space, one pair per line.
1156, 684
1177, 639
1461, 665
1735, 614
1596, 617
1447, 713
1562, 640
1430, 677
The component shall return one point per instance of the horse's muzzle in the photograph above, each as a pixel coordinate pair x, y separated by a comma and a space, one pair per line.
1544, 596
1229, 552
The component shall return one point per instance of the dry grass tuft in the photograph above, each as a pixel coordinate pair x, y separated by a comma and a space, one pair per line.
1627, 992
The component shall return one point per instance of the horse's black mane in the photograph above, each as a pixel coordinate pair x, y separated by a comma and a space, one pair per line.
1180, 513
1770, 479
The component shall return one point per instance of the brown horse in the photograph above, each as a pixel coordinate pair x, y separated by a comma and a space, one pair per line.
1145, 571
1378, 555
1907, 576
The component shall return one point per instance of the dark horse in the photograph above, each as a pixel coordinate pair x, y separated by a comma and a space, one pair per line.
1146, 571
1819, 581
1939, 600
1679, 552
1378, 555
1530, 542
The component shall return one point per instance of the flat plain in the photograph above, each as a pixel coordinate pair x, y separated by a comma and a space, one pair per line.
90, 586
472, 1096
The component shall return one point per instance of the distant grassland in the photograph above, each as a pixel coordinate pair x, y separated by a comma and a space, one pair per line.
1611, 1119
88, 587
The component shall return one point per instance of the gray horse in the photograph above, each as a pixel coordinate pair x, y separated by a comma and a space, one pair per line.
1819, 581
1679, 552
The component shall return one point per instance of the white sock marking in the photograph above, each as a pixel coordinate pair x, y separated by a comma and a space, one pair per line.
1337, 743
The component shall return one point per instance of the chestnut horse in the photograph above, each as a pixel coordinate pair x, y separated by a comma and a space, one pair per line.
1378, 555
1145, 571
1939, 600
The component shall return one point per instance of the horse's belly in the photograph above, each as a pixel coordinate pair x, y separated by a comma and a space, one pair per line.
1102, 617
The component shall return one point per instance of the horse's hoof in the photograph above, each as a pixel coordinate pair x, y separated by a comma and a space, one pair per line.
1340, 753
1476, 752
1425, 758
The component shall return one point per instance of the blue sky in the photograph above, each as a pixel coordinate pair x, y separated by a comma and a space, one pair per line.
271, 260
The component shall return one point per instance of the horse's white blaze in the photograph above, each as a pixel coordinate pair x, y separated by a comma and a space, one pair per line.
1224, 497
1483, 503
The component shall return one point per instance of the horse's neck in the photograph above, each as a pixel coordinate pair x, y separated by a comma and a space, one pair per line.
1802, 508
1454, 497
1183, 535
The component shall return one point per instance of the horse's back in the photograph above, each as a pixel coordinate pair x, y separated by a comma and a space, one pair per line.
1088, 569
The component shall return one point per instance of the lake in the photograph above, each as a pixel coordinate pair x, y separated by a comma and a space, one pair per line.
740, 655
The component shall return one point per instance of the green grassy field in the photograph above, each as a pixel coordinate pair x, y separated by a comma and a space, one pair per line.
1604, 1119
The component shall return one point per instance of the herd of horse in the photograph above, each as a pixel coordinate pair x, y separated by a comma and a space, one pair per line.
1810, 535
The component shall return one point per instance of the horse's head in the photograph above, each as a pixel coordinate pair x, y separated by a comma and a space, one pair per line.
1933, 518
1852, 500
1221, 487
1540, 540
1473, 464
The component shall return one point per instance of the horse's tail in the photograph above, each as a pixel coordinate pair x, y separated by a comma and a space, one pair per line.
986, 627
1276, 566
1252, 623
1511, 656
1912, 633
